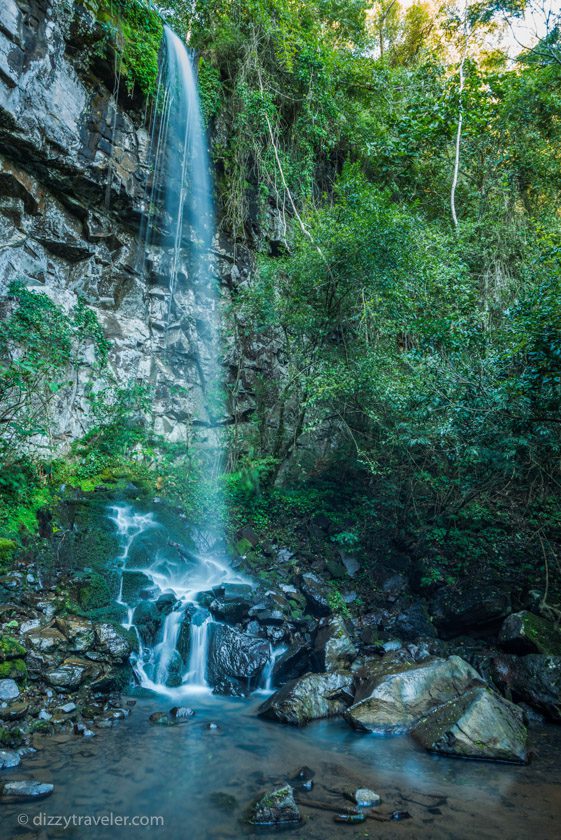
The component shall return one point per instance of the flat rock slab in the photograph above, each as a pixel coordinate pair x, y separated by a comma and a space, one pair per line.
480, 724
27, 790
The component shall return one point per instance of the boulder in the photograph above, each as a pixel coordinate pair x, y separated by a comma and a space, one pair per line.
316, 593
534, 679
235, 655
479, 724
310, 697
78, 631
277, 808
397, 696
456, 610
334, 649
232, 611
411, 624
294, 662
112, 642
71, 674
147, 620
47, 640
524, 632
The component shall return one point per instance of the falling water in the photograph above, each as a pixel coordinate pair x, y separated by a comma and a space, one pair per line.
179, 225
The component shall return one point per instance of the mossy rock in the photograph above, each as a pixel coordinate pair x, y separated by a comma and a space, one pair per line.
13, 669
525, 632
10, 648
244, 547
94, 593
10, 737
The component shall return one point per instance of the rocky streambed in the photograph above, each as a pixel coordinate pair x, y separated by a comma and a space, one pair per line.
368, 697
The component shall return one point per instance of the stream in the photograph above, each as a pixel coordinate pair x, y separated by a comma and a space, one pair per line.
200, 781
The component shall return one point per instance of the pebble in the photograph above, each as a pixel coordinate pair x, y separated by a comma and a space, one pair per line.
67, 708
44, 715
366, 798
181, 712
8, 759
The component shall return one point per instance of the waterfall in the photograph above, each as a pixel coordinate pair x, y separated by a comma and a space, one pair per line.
178, 223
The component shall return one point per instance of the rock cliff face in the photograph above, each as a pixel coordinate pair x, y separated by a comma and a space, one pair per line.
73, 171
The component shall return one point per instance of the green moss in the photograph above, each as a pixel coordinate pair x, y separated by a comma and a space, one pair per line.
94, 594
13, 669
10, 648
7, 548
10, 737
135, 30
542, 634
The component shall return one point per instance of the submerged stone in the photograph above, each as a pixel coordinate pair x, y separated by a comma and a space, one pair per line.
27, 790
8, 759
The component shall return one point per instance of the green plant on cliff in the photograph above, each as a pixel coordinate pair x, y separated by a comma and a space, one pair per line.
134, 30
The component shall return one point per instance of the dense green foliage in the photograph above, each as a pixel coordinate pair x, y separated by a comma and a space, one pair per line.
43, 349
421, 361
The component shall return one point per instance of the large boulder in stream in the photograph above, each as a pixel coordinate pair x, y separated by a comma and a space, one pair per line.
479, 724
394, 697
235, 656
524, 632
310, 697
